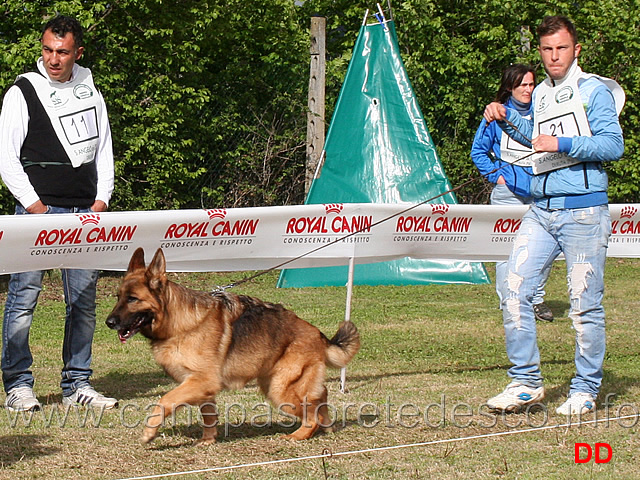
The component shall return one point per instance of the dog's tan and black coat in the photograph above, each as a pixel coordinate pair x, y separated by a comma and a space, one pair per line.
209, 342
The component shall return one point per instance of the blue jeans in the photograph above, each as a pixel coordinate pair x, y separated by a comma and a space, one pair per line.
582, 235
22, 296
501, 195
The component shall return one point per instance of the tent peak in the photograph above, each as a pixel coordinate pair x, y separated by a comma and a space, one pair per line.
379, 16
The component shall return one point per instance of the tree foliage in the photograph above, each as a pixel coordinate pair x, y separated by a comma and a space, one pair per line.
207, 99
455, 50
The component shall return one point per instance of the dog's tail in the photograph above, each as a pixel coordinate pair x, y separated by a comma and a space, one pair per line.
343, 346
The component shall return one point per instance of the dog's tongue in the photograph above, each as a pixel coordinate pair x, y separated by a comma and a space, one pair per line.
123, 338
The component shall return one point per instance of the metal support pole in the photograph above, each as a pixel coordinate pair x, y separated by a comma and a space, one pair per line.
347, 318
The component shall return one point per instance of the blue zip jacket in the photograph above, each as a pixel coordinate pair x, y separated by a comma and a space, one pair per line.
584, 184
487, 140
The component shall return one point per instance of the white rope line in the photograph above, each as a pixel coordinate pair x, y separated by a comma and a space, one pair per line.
382, 449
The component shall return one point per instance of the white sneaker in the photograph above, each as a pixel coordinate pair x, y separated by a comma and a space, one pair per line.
87, 397
22, 399
514, 397
577, 404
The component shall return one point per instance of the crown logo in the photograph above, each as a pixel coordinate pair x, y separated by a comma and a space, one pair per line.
217, 213
333, 207
628, 212
439, 209
89, 218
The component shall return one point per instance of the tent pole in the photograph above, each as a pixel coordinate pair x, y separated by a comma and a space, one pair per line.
319, 166
347, 318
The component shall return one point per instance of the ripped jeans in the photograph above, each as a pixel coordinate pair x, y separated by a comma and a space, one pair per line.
501, 195
582, 235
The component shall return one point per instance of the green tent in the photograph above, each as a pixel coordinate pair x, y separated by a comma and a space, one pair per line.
378, 150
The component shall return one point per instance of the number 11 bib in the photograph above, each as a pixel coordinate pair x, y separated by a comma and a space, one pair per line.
73, 108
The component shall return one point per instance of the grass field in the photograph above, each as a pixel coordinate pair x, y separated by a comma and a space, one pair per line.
431, 356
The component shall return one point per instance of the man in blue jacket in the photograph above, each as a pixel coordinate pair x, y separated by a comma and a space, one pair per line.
574, 129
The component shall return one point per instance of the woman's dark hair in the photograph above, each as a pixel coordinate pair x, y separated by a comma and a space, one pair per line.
60, 25
512, 78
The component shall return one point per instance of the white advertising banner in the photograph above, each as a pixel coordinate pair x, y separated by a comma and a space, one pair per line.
237, 239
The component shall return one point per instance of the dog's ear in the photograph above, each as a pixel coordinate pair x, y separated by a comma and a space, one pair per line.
158, 265
137, 260
156, 272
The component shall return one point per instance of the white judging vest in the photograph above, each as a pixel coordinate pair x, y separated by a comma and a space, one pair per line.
559, 112
74, 109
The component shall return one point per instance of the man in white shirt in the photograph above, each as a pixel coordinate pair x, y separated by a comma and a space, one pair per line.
55, 157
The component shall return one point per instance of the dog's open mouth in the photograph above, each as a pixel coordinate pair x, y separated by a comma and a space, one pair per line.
125, 334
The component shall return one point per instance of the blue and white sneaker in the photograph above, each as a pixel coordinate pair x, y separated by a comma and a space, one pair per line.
578, 403
22, 399
514, 397
87, 397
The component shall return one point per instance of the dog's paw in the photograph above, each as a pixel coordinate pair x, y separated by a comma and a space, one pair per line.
203, 442
147, 437
331, 429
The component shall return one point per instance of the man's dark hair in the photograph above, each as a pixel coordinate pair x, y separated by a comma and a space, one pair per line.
60, 25
512, 78
555, 23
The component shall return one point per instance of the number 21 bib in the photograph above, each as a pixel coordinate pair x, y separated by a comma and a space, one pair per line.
559, 112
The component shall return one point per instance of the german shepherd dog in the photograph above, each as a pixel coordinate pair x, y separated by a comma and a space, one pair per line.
209, 342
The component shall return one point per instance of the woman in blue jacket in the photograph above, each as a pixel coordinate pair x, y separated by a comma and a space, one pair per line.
497, 157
